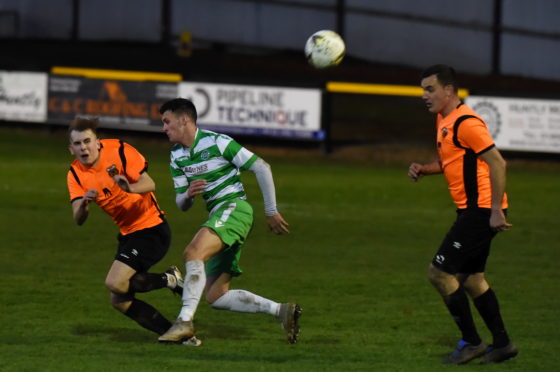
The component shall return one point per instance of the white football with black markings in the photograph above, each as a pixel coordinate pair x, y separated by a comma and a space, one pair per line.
324, 49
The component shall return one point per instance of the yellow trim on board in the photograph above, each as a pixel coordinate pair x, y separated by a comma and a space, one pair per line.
116, 74
380, 89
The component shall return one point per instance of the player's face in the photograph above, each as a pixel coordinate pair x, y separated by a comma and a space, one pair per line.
174, 126
436, 96
85, 146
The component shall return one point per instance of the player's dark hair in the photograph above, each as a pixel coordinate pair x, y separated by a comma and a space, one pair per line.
445, 75
81, 124
180, 106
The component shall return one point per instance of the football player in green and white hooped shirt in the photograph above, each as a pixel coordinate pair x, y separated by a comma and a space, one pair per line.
209, 164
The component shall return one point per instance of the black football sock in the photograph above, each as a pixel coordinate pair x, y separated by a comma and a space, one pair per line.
458, 305
489, 309
148, 317
145, 282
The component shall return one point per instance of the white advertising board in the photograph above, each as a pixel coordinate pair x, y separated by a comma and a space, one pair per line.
256, 110
520, 124
23, 96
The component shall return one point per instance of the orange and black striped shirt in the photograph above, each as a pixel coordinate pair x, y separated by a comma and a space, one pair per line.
461, 137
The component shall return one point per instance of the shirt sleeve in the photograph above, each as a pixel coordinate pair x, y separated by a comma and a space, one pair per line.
180, 181
136, 163
266, 184
474, 134
235, 153
76, 191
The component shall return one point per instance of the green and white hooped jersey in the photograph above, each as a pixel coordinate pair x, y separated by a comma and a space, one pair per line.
218, 159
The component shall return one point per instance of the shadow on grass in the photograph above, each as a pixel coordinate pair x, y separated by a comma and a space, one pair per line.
226, 331
127, 335
448, 343
322, 341
114, 333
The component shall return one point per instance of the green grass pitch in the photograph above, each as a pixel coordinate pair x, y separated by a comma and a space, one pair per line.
362, 236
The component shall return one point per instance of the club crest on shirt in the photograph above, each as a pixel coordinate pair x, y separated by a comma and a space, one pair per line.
204, 155
112, 170
444, 132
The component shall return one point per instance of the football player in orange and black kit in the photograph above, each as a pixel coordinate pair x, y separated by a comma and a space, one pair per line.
476, 175
114, 175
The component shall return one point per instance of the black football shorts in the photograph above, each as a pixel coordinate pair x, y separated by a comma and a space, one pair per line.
144, 248
466, 246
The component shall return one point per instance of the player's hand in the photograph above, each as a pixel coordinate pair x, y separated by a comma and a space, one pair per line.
90, 195
498, 221
277, 224
196, 187
415, 171
122, 182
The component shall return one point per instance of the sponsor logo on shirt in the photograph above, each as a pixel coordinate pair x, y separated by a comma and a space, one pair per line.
195, 170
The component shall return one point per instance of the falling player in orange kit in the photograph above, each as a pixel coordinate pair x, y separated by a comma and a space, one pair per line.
113, 174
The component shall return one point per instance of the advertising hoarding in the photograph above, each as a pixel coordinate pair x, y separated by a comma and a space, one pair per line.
520, 124
257, 110
23, 96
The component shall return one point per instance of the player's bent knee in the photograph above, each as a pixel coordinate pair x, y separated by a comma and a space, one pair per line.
476, 285
117, 286
434, 275
441, 280
186, 254
192, 252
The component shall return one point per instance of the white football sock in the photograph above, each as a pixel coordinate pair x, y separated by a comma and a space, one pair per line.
246, 302
195, 280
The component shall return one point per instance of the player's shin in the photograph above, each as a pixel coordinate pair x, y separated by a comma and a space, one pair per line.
195, 280
459, 308
147, 316
489, 309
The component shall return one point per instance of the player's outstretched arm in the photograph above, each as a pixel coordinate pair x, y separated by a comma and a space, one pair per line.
263, 173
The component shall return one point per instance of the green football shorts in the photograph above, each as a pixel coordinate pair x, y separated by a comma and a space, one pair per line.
232, 222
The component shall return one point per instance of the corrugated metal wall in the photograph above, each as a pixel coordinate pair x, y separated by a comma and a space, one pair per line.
405, 32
